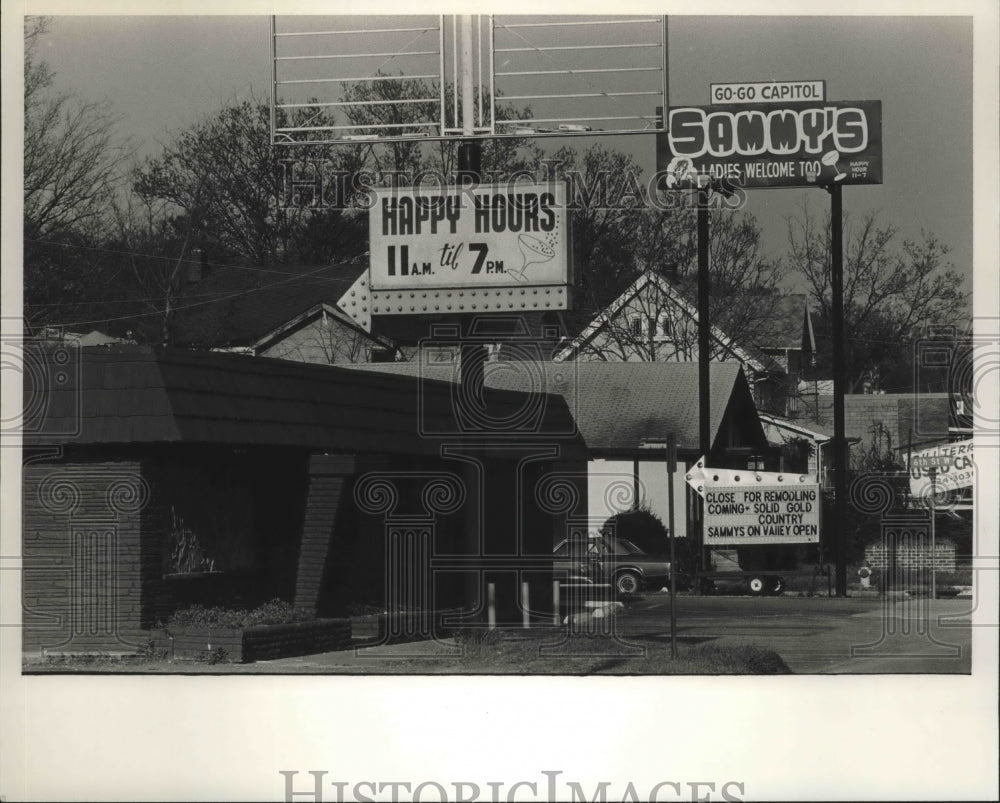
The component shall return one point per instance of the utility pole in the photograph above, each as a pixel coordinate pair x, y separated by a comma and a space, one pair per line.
671, 470
704, 358
470, 155
839, 374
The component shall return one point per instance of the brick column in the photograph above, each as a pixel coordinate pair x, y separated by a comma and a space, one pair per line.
329, 477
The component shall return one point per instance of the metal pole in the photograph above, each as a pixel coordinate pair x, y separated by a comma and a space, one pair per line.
469, 172
468, 79
839, 373
933, 471
491, 606
671, 469
525, 600
666, 71
274, 79
704, 423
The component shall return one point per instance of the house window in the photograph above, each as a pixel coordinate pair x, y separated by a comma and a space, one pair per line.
637, 327
661, 328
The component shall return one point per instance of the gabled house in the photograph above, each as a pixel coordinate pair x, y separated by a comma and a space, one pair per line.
287, 312
653, 321
291, 313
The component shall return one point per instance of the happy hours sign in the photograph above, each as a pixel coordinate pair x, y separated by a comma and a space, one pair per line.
512, 235
762, 515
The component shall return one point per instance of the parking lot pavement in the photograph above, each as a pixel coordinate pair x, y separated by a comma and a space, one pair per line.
820, 634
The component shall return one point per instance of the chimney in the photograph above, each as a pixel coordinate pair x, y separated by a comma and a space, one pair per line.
194, 267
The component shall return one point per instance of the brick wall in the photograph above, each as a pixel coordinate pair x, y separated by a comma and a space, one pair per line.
328, 477
95, 539
912, 556
925, 414
262, 643
82, 555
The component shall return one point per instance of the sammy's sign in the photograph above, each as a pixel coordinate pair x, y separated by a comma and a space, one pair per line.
791, 144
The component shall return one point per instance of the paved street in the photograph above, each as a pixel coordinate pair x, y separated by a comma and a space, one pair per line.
812, 634
820, 634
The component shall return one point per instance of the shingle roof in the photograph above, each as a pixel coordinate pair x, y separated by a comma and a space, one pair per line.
247, 303
616, 405
142, 394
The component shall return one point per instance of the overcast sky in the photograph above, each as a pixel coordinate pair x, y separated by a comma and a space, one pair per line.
164, 73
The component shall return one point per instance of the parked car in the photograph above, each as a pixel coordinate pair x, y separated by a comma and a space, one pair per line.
601, 558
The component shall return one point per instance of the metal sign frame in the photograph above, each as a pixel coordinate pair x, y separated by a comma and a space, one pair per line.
585, 103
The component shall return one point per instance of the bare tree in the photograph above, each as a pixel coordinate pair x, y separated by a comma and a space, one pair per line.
72, 158
657, 323
892, 287
226, 176
71, 152
154, 249
390, 107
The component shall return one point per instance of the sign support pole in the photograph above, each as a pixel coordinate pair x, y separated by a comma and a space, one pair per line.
470, 154
933, 473
704, 423
839, 372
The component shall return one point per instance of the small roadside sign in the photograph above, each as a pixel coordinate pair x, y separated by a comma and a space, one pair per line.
744, 508
952, 464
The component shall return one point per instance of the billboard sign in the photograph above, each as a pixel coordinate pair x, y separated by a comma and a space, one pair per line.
452, 250
495, 235
759, 145
953, 468
745, 515
768, 92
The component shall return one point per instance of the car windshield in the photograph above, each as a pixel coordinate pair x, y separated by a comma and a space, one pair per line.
624, 546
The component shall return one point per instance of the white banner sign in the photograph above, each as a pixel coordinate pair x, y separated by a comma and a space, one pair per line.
952, 464
762, 514
746, 507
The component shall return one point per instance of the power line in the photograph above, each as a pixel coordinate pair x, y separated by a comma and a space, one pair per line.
199, 303
157, 256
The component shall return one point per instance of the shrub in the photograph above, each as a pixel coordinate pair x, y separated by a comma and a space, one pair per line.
275, 612
640, 526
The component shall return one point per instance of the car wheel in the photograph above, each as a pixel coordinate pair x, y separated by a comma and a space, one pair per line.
757, 585
627, 583
777, 586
